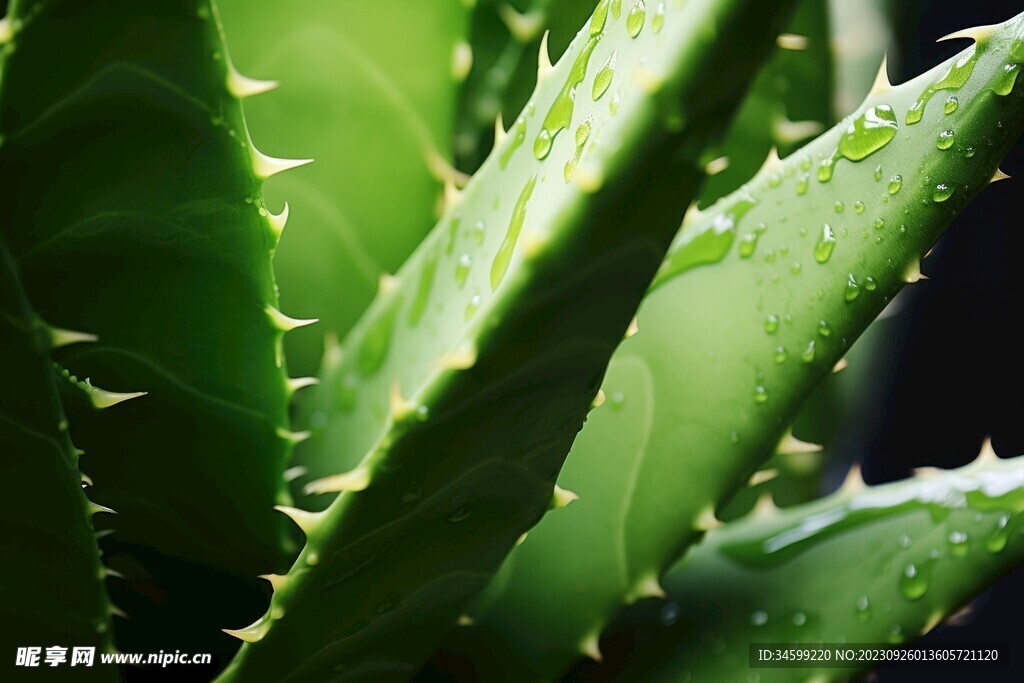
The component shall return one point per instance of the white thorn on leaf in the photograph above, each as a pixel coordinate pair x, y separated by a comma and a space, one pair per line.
86, 479
791, 41
997, 176
599, 399
443, 170
543, 58
522, 539
267, 167
840, 366
765, 506
523, 27
101, 398
706, 520
976, 33
763, 476
913, 273
242, 86
462, 60
692, 214
294, 438
927, 472
853, 482
460, 359
452, 196
789, 444
304, 519
353, 481
882, 84
60, 337
587, 179
252, 633
933, 620
96, 508
649, 588
285, 324
771, 162
296, 383
499, 130
278, 221
633, 328
400, 408
293, 473
987, 454
789, 132
277, 581
590, 647
716, 166
561, 497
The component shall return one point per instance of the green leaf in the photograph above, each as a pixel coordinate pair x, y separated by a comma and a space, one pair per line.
52, 582
879, 565
468, 377
788, 103
369, 89
134, 212
759, 298
506, 38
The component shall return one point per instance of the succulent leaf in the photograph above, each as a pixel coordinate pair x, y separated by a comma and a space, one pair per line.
134, 212
459, 392
758, 300
52, 582
876, 565
369, 89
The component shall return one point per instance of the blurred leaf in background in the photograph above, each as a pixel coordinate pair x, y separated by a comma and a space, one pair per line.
368, 89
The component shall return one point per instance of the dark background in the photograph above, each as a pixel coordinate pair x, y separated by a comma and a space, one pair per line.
958, 374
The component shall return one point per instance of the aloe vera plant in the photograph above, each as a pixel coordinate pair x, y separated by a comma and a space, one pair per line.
908, 554
153, 237
758, 299
447, 341
56, 590
374, 191
450, 392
